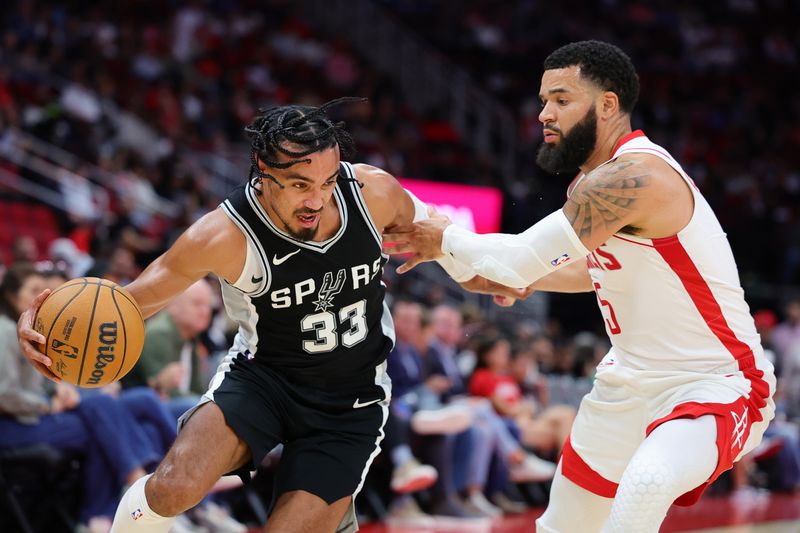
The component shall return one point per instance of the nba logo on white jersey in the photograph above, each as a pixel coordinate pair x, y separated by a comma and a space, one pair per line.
560, 260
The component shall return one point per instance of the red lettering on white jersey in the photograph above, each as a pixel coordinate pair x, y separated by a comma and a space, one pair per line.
656, 321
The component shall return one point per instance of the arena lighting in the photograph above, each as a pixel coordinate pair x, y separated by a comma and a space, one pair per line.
474, 208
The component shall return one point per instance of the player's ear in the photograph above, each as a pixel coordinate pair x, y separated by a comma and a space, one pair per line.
261, 166
609, 104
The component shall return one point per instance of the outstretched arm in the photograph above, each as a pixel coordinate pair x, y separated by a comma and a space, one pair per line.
613, 196
391, 205
211, 245
570, 279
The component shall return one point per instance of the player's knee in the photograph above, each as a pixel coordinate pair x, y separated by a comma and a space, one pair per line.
650, 480
170, 492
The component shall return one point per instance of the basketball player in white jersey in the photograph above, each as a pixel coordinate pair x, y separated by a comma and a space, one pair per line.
685, 390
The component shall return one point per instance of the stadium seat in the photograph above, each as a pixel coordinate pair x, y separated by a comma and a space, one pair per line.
39, 489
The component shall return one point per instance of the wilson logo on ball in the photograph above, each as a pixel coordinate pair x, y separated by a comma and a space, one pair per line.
93, 330
105, 352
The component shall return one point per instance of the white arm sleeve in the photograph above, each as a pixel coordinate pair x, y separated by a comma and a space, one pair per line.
460, 272
517, 260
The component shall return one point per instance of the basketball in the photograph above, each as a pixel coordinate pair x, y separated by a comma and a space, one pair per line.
94, 331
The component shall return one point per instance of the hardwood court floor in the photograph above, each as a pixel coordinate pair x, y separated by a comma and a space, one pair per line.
748, 513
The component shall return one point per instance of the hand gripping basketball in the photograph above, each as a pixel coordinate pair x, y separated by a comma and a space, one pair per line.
89, 332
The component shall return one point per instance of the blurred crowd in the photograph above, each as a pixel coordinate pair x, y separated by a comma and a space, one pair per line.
480, 407
198, 72
708, 74
74, 73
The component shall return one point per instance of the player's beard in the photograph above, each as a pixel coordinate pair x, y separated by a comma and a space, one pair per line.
573, 149
302, 234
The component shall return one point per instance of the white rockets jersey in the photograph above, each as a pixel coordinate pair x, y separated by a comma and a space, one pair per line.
674, 303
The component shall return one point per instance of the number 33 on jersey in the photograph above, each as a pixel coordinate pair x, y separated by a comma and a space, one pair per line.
313, 310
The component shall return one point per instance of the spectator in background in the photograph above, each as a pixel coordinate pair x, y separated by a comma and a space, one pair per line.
53, 277
173, 362
787, 334
77, 262
489, 436
442, 358
549, 425
119, 268
415, 404
24, 250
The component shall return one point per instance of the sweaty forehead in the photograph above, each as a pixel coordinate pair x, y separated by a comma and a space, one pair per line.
563, 80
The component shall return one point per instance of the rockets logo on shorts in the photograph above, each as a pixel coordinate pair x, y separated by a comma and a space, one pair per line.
563, 258
739, 429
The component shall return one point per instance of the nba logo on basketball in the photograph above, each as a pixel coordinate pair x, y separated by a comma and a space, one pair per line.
563, 258
137, 514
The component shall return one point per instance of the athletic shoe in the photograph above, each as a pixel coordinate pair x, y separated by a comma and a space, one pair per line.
478, 502
532, 469
217, 519
508, 505
451, 507
406, 513
182, 524
413, 476
444, 421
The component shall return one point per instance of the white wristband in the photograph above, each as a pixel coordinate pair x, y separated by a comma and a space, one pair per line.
517, 260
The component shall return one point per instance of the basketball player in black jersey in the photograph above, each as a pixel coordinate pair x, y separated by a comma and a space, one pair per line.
298, 250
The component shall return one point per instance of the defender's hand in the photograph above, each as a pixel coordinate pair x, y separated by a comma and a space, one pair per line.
423, 239
503, 296
27, 336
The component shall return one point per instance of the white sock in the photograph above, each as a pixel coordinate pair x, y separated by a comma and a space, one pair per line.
134, 514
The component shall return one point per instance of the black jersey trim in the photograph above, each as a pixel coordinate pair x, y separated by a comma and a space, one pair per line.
321, 247
362, 204
245, 228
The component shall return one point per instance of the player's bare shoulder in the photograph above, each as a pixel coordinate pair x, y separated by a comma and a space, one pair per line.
216, 241
636, 193
382, 192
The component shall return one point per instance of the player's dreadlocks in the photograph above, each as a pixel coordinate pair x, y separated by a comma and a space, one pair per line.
297, 131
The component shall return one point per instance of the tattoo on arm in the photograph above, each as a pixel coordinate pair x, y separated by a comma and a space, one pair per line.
605, 198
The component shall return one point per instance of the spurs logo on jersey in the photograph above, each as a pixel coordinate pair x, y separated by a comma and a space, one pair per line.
360, 276
329, 290
319, 317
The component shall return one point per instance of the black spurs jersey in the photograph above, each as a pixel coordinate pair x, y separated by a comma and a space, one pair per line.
313, 311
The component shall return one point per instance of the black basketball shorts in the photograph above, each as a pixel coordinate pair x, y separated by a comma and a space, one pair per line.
330, 439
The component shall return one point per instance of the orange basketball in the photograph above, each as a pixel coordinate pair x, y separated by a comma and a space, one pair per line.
94, 331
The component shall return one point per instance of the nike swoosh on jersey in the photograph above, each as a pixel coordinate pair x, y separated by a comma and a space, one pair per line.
357, 404
256, 280
278, 260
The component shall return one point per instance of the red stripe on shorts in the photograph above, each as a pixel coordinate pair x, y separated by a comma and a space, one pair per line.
733, 420
576, 470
